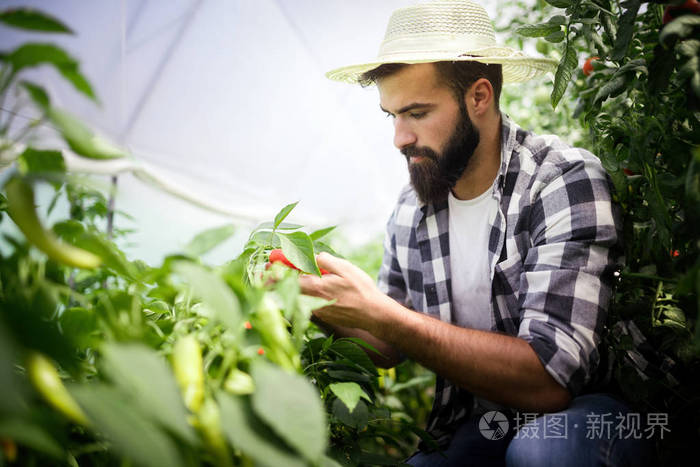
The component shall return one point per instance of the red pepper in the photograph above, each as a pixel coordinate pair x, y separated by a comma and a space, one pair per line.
588, 66
276, 256
672, 12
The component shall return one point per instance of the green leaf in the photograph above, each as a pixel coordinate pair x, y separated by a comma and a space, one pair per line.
538, 30
33, 20
30, 435
157, 306
80, 326
320, 233
284, 212
295, 413
358, 418
555, 37
305, 305
35, 161
348, 375
320, 246
559, 3
559, 20
679, 28
567, 65
349, 393
37, 94
82, 139
282, 226
112, 256
247, 433
213, 291
423, 380
79, 82
207, 240
625, 30
610, 89
35, 54
355, 354
299, 249
362, 343
133, 436
263, 239
144, 375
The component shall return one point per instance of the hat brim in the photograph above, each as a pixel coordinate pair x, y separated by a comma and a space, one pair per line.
517, 67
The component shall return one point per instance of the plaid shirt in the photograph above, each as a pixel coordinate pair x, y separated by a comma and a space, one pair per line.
553, 248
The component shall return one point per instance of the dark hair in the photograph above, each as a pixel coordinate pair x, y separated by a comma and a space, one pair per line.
458, 76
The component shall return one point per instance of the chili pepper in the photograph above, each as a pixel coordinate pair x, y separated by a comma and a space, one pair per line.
189, 371
46, 380
20, 206
273, 330
247, 325
277, 256
209, 424
239, 382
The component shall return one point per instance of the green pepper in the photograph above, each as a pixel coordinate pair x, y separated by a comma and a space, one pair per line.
239, 383
45, 379
20, 206
209, 424
272, 327
189, 371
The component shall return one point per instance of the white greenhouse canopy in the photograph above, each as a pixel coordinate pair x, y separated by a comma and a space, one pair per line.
227, 101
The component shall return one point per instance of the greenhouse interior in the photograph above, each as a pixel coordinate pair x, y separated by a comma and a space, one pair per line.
349, 233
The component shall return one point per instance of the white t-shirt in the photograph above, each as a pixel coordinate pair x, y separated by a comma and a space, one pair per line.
469, 263
469, 259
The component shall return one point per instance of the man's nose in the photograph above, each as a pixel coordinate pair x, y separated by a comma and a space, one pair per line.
403, 134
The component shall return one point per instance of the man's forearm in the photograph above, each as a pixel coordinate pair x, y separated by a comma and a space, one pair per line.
498, 367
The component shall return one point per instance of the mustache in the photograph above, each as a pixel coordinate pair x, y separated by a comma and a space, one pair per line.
413, 151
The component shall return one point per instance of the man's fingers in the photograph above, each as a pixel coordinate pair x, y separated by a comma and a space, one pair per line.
309, 284
330, 263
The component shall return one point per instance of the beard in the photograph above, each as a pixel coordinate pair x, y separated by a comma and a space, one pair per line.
436, 174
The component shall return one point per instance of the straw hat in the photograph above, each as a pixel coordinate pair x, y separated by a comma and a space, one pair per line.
446, 30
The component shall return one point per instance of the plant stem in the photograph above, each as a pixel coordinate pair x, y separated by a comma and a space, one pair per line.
110, 208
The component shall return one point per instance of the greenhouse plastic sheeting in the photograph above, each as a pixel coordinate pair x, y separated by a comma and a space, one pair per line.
228, 99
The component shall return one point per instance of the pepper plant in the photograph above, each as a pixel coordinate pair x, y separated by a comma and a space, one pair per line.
635, 105
106, 359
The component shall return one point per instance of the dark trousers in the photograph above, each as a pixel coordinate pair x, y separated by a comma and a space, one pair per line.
595, 430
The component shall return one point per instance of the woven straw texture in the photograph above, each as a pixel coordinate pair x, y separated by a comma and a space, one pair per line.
446, 30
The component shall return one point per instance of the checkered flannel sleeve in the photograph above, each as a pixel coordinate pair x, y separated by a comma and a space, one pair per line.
567, 274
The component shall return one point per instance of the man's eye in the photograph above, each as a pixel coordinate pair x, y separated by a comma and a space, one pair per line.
417, 115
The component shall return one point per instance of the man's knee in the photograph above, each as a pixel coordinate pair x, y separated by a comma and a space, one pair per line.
572, 437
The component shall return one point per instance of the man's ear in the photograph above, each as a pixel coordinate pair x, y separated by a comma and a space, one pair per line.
479, 98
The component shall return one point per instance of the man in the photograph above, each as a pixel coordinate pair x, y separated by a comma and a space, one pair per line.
498, 256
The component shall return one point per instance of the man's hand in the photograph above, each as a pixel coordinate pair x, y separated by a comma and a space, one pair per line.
357, 310
356, 295
488, 364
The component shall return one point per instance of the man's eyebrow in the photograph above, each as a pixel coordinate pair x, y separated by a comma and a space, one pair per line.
409, 107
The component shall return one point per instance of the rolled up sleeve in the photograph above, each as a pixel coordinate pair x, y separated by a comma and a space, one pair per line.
565, 286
